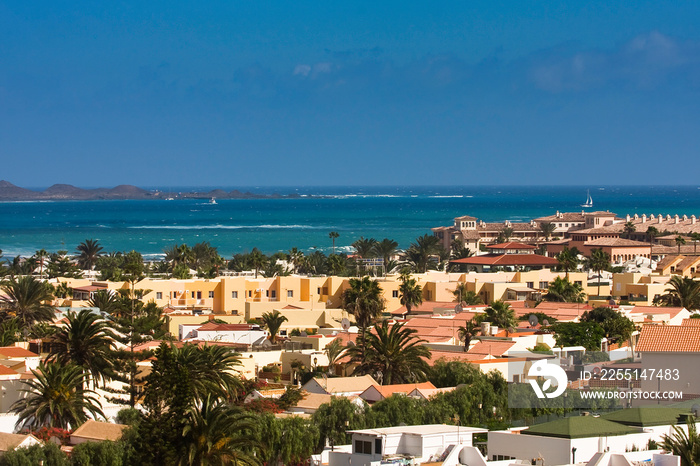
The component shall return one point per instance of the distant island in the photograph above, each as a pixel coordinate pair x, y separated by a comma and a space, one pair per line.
66, 192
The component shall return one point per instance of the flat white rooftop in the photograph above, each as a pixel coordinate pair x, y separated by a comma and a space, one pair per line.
429, 429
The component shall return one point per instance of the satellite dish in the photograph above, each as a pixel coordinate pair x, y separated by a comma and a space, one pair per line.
545, 323
351, 343
695, 410
345, 324
458, 308
463, 304
329, 302
533, 320
267, 343
304, 334
511, 330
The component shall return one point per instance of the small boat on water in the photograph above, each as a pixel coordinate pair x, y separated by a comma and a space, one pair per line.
589, 200
212, 200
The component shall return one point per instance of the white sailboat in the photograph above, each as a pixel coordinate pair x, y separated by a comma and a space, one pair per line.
589, 199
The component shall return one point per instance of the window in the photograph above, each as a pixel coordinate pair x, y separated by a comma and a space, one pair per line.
318, 290
193, 295
363, 447
395, 294
273, 294
234, 294
578, 282
211, 294
199, 295
378, 446
267, 293
159, 295
530, 284
544, 285
250, 293
290, 293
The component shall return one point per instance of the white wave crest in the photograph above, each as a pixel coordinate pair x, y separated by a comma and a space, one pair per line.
230, 227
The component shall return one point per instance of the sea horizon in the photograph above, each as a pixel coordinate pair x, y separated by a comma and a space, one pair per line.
401, 213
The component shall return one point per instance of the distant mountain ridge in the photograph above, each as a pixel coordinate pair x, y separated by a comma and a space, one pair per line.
67, 192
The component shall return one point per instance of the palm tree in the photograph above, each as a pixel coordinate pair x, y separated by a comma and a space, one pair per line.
105, 301
687, 446
56, 398
419, 254
695, 237
273, 321
392, 355
628, 229
26, 298
683, 292
296, 258
89, 251
86, 341
364, 301
599, 261
410, 293
506, 233
40, 255
652, 232
218, 433
679, 242
466, 296
468, 331
500, 314
257, 260
333, 235
568, 260
211, 369
334, 351
385, 249
364, 248
563, 291
547, 228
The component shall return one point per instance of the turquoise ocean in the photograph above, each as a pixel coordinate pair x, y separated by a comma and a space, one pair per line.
233, 226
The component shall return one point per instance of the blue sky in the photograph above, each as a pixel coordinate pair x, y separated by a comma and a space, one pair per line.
227, 93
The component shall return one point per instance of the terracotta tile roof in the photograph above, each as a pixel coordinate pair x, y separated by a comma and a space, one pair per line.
16, 352
454, 356
212, 326
10, 441
669, 260
96, 430
507, 259
669, 339
616, 242
491, 347
289, 306
387, 390
466, 217
4, 370
562, 217
427, 307
517, 227
334, 385
691, 322
313, 400
511, 245
687, 262
428, 392
671, 311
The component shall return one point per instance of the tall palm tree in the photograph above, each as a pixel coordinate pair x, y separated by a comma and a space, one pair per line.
683, 292
628, 229
500, 313
466, 296
468, 331
568, 260
273, 321
217, 433
423, 252
333, 235
547, 228
86, 341
26, 298
394, 354
40, 256
652, 232
679, 242
56, 398
88, 253
296, 258
563, 291
506, 233
410, 293
364, 301
364, 247
687, 446
257, 260
105, 301
385, 249
599, 261
695, 237
334, 351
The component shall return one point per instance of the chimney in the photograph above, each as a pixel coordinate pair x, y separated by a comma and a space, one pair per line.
628, 218
644, 218
685, 217
661, 218
668, 217
692, 219
675, 219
